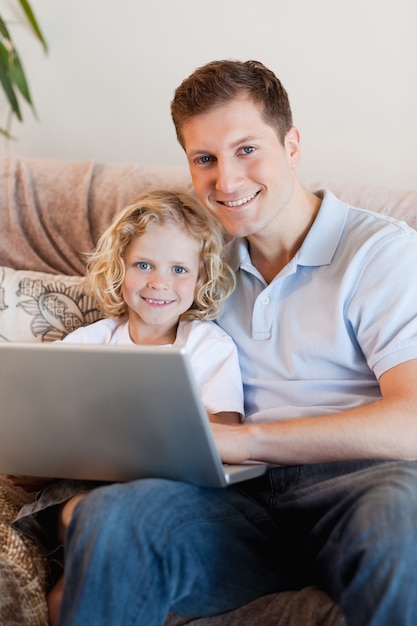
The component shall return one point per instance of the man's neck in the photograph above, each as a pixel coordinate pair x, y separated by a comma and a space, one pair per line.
271, 253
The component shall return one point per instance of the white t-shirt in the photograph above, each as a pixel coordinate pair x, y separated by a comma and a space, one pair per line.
212, 353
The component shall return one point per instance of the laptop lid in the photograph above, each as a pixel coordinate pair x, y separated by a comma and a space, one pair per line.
102, 412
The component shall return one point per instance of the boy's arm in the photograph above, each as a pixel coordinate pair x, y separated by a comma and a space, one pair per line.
225, 417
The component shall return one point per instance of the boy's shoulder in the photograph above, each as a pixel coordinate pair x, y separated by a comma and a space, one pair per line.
200, 330
101, 331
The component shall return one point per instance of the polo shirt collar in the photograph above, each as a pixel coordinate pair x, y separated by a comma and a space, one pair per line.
320, 244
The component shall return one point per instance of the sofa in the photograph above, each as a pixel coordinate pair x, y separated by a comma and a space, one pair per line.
51, 213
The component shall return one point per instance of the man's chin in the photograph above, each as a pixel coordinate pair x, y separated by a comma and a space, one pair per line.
231, 225
238, 230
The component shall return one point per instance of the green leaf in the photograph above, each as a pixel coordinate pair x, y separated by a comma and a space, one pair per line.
4, 57
18, 77
9, 91
6, 134
7, 82
34, 23
4, 30
12, 75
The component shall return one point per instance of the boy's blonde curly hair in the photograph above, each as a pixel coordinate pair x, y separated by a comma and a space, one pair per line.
106, 264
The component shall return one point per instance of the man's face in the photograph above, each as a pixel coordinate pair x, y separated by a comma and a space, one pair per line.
240, 170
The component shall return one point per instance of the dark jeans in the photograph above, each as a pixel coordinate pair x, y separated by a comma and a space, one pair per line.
138, 550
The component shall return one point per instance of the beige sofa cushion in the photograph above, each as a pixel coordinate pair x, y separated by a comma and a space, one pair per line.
23, 570
308, 607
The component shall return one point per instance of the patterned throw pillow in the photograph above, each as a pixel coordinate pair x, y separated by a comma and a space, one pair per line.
35, 306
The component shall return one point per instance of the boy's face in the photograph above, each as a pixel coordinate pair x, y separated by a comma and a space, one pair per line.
240, 170
162, 269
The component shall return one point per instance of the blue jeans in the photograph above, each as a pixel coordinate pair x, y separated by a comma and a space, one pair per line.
138, 550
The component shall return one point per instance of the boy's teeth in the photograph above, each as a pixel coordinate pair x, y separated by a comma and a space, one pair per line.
240, 202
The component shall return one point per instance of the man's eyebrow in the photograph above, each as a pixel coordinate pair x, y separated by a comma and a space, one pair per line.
243, 140
196, 152
233, 145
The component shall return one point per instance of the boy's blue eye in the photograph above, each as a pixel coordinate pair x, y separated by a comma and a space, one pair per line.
248, 149
179, 270
143, 265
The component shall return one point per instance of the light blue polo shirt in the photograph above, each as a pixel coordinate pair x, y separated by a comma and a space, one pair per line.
341, 313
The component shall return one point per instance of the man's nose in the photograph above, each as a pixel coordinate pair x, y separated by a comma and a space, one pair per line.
228, 176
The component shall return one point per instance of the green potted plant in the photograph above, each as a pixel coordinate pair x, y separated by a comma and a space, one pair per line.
12, 76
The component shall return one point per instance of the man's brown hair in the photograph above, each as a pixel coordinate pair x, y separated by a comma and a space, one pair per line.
219, 82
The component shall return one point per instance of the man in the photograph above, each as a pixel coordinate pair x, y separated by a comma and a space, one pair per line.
325, 319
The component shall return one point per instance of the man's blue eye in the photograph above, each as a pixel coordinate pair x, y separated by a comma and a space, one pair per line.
204, 159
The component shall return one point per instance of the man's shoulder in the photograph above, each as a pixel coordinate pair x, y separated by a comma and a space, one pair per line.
359, 214
361, 224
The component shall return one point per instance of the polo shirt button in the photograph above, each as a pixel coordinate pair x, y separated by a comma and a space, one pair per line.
265, 300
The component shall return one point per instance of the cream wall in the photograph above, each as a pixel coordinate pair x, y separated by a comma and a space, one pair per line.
104, 90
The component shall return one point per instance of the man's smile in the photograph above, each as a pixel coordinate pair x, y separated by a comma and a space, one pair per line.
239, 202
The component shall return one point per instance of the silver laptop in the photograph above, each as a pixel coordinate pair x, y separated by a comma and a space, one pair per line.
111, 413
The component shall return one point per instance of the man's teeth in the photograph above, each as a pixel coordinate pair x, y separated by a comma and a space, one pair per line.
240, 202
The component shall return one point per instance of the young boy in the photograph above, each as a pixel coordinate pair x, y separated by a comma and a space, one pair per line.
158, 277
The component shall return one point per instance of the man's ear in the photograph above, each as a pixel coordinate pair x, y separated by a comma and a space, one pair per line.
292, 146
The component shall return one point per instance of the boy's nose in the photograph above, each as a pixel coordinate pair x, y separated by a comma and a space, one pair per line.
158, 281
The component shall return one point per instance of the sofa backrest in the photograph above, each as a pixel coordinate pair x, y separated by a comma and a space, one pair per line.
52, 212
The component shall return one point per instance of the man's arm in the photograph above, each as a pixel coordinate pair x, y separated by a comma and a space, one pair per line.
386, 428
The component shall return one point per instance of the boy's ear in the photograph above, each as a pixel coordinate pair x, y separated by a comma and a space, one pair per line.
292, 146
